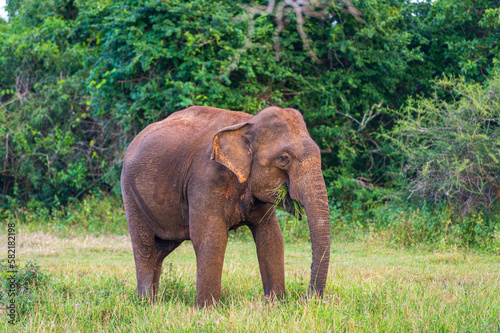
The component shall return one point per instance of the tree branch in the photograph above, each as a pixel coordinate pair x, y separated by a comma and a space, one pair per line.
309, 8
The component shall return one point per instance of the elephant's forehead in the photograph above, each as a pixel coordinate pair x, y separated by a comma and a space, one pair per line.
281, 130
294, 121
276, 122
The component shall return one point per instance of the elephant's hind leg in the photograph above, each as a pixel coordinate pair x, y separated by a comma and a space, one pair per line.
145, 254
163, 249
143, 245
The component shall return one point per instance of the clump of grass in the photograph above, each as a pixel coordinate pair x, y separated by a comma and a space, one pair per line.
20, 285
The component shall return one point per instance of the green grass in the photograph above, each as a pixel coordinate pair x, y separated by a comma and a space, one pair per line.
371, 288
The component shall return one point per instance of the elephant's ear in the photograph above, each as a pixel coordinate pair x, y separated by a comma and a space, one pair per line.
231, 147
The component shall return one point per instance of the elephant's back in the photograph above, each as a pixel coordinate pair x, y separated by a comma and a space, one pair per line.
194, 125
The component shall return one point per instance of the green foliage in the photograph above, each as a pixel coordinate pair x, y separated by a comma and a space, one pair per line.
452, 147
79, 79
455, 37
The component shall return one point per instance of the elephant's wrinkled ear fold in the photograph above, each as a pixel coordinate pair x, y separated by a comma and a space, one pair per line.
231, 148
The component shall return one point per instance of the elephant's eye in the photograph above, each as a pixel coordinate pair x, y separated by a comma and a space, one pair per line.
283, 161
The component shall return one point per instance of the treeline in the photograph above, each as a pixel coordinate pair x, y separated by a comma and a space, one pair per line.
402, 97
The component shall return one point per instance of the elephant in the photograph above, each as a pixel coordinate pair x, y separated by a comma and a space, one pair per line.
204, 171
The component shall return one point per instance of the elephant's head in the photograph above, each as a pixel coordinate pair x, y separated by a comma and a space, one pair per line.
271, 149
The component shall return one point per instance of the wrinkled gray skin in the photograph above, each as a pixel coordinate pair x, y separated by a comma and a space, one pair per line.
204, 171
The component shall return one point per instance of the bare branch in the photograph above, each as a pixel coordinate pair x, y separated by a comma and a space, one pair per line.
352, 10
270, 7
248, 41
326, 151
300, 30
301, 8
279, 28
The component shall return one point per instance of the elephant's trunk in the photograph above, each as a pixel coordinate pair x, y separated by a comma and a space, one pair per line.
311, 192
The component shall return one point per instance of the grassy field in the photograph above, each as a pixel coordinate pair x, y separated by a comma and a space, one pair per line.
90, 286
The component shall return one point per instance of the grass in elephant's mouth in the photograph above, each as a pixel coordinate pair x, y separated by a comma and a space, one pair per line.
281, 193
372, 288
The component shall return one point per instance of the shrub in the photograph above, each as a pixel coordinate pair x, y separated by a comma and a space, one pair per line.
451, 142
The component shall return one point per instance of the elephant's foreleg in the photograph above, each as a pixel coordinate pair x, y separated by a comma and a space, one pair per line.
270, 251
209, 241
